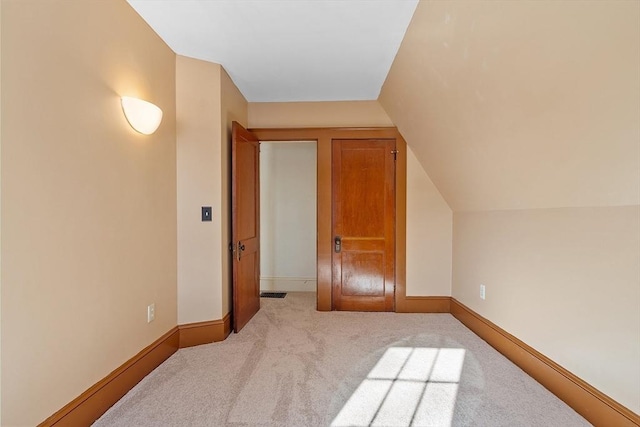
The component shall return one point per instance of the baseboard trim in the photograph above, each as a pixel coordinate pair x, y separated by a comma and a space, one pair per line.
288, 284
423, 305
596, 407
199, 333
94, 402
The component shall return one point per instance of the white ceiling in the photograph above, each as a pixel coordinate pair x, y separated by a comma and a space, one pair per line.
288, 50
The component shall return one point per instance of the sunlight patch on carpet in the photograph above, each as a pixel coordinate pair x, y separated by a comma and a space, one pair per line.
407, 387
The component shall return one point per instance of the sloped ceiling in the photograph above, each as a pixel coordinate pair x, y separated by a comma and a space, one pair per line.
286, 50
522, 104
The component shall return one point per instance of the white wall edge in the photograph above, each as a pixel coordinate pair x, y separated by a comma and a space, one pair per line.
288, 284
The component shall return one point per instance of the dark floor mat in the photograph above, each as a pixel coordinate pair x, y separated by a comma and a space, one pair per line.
273, 294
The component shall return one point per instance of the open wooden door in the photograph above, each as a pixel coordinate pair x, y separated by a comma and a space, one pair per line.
363, 261
245, 224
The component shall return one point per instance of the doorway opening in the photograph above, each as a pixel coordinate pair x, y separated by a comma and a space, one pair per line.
288, 216
323, 137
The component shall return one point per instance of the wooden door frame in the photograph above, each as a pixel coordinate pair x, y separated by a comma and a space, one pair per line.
323, 138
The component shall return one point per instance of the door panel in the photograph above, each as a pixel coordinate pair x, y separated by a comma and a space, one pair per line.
363, 209
363, 273
245, 224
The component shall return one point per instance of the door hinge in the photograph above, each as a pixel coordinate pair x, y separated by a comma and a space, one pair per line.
395, 154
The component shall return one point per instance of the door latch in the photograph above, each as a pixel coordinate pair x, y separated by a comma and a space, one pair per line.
337, 244
239, 250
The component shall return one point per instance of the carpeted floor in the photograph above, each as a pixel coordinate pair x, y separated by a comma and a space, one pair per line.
294, 366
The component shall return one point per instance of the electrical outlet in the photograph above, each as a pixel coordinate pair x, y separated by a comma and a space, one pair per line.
482, 292
151, 313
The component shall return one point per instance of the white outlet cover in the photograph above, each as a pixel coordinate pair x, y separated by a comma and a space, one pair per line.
151, 313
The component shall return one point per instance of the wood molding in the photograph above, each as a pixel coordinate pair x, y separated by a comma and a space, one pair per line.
404, 303
596, 407
314, 134
199, 333
324, 249
423, 304
288, 284
323, 138
401, 224
94, 402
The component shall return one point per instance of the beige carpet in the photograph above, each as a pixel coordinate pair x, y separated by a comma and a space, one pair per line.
294, 366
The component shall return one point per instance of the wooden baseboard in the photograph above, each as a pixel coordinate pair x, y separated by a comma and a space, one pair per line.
94, 402
596, 407
593, 405
288, 284
199, 333
423, 305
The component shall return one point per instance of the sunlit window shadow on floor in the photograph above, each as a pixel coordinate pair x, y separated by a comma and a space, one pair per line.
407, 387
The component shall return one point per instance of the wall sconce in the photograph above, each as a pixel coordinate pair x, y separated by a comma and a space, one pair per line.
143, 116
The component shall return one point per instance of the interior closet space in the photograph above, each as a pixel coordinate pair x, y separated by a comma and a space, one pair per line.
288, 220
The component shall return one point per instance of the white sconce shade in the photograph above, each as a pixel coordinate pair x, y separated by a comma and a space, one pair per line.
143, 116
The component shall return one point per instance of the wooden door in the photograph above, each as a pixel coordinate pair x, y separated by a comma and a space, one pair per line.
363, 209
245, 225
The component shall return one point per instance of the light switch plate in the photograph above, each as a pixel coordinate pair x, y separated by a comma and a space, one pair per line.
206, 213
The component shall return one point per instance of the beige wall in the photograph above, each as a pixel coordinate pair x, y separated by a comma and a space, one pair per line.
234, 107
199, 172
565, 281
317, 114
428, 215
207, 103
88, 204
429, 234
525, 116
522, 104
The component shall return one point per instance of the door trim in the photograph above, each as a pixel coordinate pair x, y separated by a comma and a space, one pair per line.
323, 138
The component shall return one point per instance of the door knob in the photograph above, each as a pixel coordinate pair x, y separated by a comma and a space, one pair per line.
337, 244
